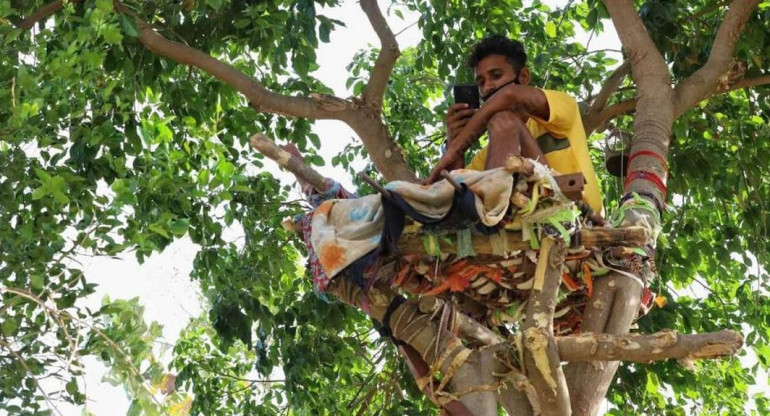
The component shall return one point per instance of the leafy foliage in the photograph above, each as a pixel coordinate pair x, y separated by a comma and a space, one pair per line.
108, 148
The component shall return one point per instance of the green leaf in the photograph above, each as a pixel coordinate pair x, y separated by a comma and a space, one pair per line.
179, 227
158, 229
39, 193
9, 325
550, 29
129, 26
104, 5
112, 34
36, 281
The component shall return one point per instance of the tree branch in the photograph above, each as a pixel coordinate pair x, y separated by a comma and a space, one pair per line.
541, 358
703, 82
647, 64
644, 348
598, 121
610, 87
375, 89
260, 98
41, 14
588, 237
290, 162
385, 153
749, 83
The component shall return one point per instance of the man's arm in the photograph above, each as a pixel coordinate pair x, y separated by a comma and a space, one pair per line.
520, 99
525, 100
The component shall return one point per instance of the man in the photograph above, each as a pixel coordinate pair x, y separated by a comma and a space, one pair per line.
544, 125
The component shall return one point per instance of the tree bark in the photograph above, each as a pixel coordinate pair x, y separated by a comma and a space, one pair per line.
386, 59
541, 357
641, 348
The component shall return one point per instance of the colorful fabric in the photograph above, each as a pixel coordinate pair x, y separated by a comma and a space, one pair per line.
345, 230
564, 156
315, 198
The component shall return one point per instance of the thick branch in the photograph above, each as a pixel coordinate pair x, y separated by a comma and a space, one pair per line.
647, 348
385, 154
647, 64
439, 348
596, 121
289, 162
389, 53
259, 97
703, 82
611, 311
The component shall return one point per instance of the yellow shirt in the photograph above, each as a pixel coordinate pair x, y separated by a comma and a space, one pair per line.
564, 156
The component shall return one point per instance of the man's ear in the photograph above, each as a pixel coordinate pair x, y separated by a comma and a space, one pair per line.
525, 76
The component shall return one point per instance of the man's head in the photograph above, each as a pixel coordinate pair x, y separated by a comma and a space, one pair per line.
496, 61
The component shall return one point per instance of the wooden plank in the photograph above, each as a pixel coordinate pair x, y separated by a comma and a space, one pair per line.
571, 185
587, 237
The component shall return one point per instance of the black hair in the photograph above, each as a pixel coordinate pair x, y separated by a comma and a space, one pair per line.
513, 51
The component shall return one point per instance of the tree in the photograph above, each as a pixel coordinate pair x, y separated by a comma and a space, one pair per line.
128, 124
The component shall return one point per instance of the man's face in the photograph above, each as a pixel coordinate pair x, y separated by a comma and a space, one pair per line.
493, 72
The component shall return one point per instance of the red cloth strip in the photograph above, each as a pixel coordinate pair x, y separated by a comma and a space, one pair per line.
649, 176
648, 153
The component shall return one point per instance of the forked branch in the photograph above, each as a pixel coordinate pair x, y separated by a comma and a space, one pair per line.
703, 82
597, 121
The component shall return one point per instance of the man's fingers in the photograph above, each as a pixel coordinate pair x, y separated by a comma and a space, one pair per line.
461, 114
457, 107
458, 125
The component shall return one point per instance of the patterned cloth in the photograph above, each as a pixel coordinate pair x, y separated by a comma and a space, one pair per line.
315, 198
345, 230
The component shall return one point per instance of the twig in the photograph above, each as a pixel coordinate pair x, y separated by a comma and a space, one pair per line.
23, 363
385, 193
457, 186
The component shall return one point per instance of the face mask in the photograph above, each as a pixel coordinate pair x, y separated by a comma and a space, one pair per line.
491, 93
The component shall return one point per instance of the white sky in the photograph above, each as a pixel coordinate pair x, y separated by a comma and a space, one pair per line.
162, 283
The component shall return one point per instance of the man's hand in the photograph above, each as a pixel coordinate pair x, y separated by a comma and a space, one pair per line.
455, 152
456, 118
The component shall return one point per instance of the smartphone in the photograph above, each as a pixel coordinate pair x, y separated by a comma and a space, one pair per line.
467, 93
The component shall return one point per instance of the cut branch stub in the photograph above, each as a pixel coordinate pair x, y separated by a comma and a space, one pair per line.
286, 160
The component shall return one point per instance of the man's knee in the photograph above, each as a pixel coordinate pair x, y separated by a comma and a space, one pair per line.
504, 122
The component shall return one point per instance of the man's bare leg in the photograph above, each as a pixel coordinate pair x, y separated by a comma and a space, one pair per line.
509, 135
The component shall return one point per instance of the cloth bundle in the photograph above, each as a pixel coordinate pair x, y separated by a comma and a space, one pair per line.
345, 230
